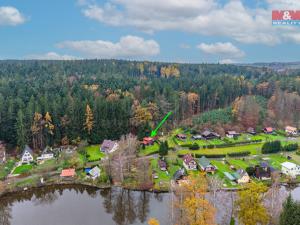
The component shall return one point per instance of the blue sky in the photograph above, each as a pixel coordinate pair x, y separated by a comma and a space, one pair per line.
170, 30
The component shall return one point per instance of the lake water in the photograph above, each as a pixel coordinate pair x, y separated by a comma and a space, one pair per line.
78, 205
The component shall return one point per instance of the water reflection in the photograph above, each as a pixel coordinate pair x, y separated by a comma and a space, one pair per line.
78, 205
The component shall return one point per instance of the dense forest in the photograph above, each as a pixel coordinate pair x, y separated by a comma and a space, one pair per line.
60, 102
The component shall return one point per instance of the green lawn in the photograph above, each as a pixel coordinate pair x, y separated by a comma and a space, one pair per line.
94, 153
6, 168
162, 175
22, 169
151, 149
252, 148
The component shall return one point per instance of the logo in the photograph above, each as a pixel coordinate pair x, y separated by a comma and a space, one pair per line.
286, 17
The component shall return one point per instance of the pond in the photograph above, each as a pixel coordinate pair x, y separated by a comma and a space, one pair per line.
80, 205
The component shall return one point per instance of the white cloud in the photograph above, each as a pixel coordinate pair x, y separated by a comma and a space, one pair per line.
206, 17
127, 47
227, 61
51, 56
10, 16
221, 48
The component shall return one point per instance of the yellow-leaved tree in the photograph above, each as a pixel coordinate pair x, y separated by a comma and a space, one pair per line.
153, 221
48, 123
251, 210
197, 210
89, 119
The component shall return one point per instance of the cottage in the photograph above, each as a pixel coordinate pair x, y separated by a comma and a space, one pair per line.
109, 146
231, 134
189, 163
2, 153
68, 173
197, 137
209, 135
263, 171
148, 141
27, 155
95, 172
181, 137
268, 130
162, 165
46, 155
205, 165
290, 169
241, 176
179, 174
291, 130
251, 131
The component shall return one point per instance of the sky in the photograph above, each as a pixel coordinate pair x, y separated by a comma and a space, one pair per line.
191, 31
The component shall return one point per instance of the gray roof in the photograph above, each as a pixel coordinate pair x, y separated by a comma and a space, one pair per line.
28, 149
204, 162
178, 174
95, 171
229, 176
108, 145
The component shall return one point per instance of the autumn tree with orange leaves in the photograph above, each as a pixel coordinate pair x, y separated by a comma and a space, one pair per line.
192, 206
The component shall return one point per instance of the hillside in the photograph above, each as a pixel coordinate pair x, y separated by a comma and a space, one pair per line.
131, 96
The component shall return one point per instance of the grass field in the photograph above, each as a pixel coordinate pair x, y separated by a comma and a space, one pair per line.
22, 169
6, 168
163, 177
252, 148
151, 149
94, 153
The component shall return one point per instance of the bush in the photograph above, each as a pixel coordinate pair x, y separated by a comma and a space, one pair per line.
239, 154
210, 155
290, 147
250, 170
271, 147
210, 146
194, 146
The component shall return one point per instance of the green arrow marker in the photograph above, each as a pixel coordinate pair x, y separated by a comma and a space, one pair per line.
154, 132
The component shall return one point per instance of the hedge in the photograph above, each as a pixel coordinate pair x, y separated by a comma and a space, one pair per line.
206, 155
239, 154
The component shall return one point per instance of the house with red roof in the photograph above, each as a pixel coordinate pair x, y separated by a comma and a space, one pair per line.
68, 173
148, 141
268, 130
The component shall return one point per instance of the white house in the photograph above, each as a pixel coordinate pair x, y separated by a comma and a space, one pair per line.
291, 130
109, 146
46, 155
95, 172
290, 169
27, 155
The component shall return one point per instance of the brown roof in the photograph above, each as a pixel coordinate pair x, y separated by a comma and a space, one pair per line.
188, 158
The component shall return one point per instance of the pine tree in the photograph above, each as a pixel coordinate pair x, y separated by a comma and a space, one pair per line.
89, 119
20, 128
291, 212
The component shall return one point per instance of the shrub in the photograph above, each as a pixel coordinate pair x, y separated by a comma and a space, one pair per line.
250, 170
210, 155
210, 146
194, 146
271, 147
239, 154
290, 147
